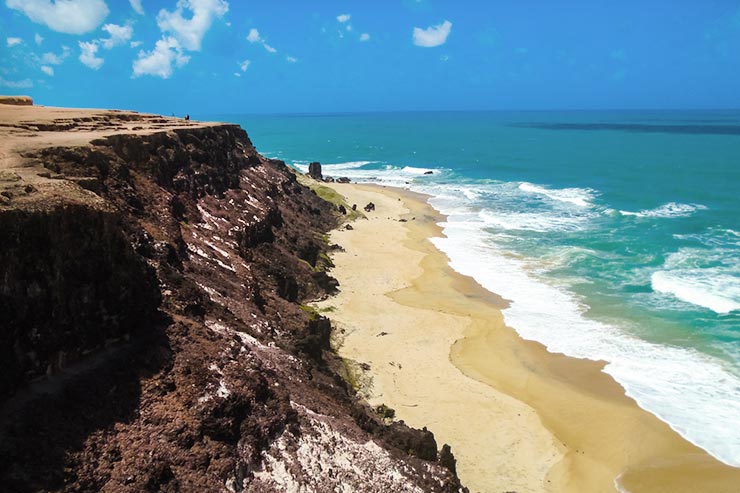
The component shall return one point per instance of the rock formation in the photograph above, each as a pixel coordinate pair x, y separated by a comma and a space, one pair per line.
152, 275
16, 100
314, 170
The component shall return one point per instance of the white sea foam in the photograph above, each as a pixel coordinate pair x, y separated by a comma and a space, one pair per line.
697, 395
530, 221
581, 197
700, 288
705, 277
332, 167
671, 209
400, 176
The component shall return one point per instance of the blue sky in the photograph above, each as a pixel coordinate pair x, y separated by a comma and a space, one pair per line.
219, 56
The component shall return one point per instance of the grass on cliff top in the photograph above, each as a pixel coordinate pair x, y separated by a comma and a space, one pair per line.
329, 195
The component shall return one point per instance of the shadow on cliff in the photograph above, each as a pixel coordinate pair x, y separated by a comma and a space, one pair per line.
42, 424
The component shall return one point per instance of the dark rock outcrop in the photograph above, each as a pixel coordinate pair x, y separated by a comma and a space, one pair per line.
164, 301
369, 207
314, 170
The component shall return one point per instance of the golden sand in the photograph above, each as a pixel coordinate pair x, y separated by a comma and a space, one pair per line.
518, 418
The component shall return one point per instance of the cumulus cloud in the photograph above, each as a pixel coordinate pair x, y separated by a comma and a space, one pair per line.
13, 41
119, 35
189, 32
179, 35
254, 36
38, 39
244, 65
47, 70
160, 61
64, 16
50, 58
88, 54
364, 37
20, 84
136, 5
433, 35
343, 17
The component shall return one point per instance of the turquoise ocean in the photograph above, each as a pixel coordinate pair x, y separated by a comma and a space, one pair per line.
614, 235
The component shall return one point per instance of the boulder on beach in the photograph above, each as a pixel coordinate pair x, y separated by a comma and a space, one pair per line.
369, 207
314, 170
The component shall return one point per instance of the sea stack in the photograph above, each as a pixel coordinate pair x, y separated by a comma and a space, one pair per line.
314, 170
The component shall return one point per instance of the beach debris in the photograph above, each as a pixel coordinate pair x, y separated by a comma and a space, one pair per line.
381, 334
369, 207
349, 227
314, 170
342, 209
354, 207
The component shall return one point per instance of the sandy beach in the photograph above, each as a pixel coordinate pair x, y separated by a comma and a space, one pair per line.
518, 418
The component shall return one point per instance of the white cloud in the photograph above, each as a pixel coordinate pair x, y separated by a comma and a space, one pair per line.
119, 35
189, 32
244, 65
64, 16
54, 59
364, 37
349, 27
159, 62
13, 41
88, 56
343, 17
254, 36
237, 74
291, 59
21, 84
136, 5
432, 36
38, 39
135, 44
47, 70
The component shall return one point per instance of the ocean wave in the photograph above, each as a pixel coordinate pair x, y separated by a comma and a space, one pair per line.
692, 392
709, 278
418, 171
581, 197
671, 209
530, 221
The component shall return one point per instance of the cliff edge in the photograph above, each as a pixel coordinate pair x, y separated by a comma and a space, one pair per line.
153, 275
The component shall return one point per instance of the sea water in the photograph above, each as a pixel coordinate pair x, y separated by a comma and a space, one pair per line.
614, 235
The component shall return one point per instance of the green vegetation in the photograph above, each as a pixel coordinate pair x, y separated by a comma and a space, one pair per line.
313, 314
385, 412
330, 195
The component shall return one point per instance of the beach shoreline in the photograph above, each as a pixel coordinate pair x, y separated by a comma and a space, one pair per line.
517, 416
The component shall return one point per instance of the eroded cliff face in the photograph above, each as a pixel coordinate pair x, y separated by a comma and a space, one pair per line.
153, 337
